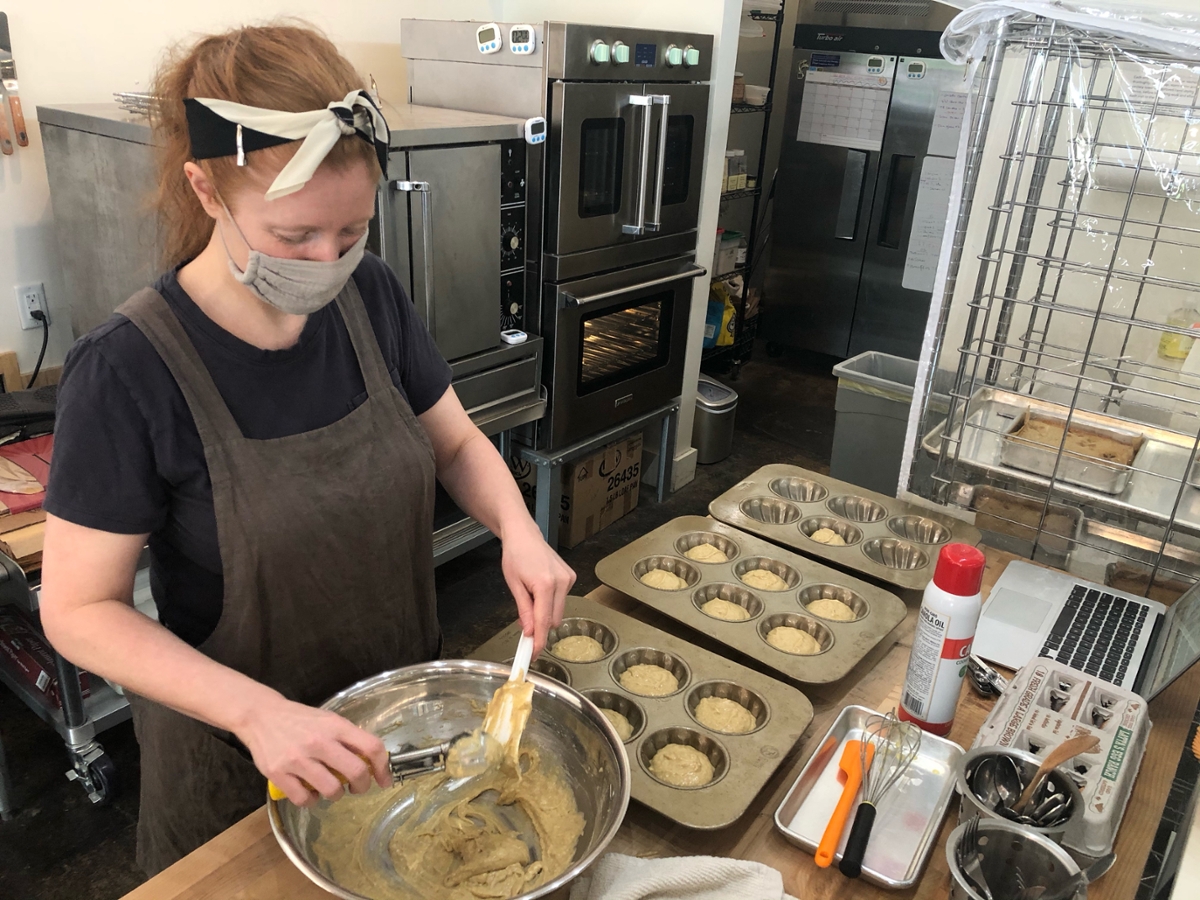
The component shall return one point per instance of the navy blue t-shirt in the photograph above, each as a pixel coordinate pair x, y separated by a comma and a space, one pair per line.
127, 456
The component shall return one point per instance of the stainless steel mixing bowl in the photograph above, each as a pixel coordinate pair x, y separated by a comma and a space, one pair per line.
433, 702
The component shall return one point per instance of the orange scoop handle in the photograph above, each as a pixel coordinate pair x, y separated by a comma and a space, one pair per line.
851, 765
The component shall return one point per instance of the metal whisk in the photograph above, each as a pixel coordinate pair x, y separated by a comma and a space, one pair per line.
896, 745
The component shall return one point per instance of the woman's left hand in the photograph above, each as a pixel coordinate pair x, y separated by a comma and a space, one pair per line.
539, 581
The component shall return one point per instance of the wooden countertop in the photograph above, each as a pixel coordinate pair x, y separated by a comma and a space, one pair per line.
245, 863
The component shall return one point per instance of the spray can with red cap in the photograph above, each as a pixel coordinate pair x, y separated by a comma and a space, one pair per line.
945, 631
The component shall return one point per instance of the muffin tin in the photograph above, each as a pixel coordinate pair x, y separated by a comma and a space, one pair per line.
843, 644
742, 763
886, 538
1045, 704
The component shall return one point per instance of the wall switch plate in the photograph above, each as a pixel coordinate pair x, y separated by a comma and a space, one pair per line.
29, 298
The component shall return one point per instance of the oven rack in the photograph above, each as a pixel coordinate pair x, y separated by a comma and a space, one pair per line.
1073, 268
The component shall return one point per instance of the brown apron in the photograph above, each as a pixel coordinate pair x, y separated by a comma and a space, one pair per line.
327, 554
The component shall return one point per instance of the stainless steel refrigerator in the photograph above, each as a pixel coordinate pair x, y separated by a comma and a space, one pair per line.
862, 192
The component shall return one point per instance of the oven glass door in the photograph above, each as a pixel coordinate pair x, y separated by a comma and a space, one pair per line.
681, 157
595, 164
618, 345
622, 343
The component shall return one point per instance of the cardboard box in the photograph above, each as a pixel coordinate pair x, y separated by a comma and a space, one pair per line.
25, 653
597, 489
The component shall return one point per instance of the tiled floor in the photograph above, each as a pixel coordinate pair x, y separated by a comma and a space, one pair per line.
60, 847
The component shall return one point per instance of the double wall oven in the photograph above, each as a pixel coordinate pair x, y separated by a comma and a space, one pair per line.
621, 172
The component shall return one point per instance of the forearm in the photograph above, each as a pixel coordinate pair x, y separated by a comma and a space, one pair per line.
114, 640
480, 483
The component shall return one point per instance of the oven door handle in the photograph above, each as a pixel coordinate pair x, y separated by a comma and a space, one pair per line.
423, 188
654, 222
691, 272
639, 224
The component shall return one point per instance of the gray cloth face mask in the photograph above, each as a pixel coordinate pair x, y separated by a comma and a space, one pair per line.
298, 287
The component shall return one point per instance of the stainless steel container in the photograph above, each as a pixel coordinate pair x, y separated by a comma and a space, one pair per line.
1042, 863
712, 429
433, 702
1027, 765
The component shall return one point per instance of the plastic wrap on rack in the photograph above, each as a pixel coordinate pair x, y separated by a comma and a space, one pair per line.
1072, 250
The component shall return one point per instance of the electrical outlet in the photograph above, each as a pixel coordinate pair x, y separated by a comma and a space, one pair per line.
29, 298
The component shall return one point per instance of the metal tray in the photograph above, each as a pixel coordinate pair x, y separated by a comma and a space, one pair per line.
845, 643
1151, 493
1085, 471
1009, 521
886, 538
743, 762
909, 816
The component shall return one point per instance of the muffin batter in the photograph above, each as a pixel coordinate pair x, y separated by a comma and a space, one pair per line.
619, 722
706, 553
828, 608
649, 680
764, 580
723, 714
681, 765
793, 640
578, 648
725, 609
455, 844
663, 580
828, 536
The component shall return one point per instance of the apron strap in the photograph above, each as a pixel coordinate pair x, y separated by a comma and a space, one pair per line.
154, 318
366, 345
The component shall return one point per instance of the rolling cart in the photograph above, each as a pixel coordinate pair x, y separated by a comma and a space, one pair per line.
81, 719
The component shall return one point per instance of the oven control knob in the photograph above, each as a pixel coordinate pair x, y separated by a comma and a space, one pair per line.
599, 52
620, 53
674, 55
514, 309
691, 56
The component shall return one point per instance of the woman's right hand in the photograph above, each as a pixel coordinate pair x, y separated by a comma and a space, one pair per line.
303, 750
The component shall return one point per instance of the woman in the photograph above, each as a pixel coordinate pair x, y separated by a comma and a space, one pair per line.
271, 418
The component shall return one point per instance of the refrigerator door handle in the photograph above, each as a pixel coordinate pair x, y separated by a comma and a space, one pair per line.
891, 218
846, 226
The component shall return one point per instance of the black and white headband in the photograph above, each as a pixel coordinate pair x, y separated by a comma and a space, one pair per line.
221, 128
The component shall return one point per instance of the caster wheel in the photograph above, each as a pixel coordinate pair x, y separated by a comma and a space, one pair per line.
774, 350
735, 372
103, 775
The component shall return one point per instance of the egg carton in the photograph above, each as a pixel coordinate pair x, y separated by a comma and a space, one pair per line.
885, 538
1046, 703
742, 763
843, 643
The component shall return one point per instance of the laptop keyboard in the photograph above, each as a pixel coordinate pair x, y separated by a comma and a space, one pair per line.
1096, 632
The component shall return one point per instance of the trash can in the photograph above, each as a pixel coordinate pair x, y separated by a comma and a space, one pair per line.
874, 394
712, 429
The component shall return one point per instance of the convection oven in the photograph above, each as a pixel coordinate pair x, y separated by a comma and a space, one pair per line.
618, 188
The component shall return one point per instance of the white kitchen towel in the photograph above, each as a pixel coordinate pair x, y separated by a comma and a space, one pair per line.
620, 877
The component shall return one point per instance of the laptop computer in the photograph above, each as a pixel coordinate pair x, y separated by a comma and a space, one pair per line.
1138, 644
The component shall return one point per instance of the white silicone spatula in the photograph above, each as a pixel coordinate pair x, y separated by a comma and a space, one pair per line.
511, 704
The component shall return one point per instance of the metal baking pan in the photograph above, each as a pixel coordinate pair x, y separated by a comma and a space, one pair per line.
909, 815
1097, 473
844, 643
886, 538
743, 763
1152, 493
1010, 521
